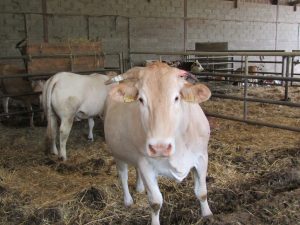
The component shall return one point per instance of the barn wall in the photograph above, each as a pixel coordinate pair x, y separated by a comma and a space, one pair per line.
151, 24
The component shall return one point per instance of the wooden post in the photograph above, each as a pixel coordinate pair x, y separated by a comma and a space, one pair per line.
236, 3
45, 20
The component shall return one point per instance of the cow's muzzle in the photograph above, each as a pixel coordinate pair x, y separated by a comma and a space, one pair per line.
160, 150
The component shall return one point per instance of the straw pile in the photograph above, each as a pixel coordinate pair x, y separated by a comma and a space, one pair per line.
253, 177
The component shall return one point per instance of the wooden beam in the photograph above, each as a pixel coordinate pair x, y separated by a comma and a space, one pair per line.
236, 3
293, 3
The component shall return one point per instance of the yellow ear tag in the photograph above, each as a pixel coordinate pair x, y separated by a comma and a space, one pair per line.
128, 99
190, 98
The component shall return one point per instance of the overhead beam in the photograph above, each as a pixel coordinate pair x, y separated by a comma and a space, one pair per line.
293, 3
236, 3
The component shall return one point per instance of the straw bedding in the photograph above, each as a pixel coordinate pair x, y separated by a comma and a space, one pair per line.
253, 175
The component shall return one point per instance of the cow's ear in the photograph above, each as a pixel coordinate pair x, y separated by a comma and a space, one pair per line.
195, 93
124, 92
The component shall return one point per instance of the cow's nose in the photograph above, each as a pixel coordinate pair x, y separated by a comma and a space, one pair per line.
160, 150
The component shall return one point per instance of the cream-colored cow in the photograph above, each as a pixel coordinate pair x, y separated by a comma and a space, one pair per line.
154, 122
68, 96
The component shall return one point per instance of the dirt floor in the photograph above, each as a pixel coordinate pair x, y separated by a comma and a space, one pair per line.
253, 176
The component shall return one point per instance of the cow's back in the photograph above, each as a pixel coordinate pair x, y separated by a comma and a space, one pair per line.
84, 93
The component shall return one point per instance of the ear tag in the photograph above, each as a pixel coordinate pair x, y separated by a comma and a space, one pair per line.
128, 99
190, 98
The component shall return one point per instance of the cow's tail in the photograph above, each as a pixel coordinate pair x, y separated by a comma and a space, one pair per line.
47, 92
47, 103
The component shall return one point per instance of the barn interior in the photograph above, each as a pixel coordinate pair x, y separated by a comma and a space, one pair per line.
249, 51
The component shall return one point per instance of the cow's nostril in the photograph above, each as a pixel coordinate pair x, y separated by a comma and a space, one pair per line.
169, 147
168, 150
152, 150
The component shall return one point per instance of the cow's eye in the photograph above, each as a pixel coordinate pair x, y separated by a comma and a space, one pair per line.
141, 100
176, 98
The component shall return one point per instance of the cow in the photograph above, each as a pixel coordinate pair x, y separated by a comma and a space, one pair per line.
18, 86
252, 70
68, 96
154, 122
194, 67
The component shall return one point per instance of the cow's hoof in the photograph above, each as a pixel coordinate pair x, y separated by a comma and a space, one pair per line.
63, 159
91, 139
206, 213
140, 188
128, 202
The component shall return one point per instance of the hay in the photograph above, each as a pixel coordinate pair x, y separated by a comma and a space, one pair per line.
253, 177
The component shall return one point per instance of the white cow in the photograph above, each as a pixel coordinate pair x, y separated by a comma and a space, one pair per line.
70, 96
196, 67
153, 121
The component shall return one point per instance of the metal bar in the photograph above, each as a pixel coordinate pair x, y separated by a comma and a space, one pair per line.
54, 56
248, 50
253, 122
285, 103
121, 62
50, 74
184, 24
223, 70
88, 27
216, 63
124, 62
249, 76
20, 112
292, 69
260, 72
236, 53
282, 66
71, 62
245, 110
212, 57
202, 60
286, 88
20, 95
45, 20
25, 26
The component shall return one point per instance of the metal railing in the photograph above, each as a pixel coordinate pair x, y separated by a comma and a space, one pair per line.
286, 76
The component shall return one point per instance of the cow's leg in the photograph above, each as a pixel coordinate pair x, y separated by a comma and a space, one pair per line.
91, 126
52, 132
29, 109
123, 174
139, 182
64, 131
5, 105
42, 114
200, 185
154, 195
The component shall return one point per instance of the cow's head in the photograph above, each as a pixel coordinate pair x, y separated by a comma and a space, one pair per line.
161, 93
37, 85
196, 67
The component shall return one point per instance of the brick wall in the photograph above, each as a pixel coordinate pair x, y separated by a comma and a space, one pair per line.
152, 24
